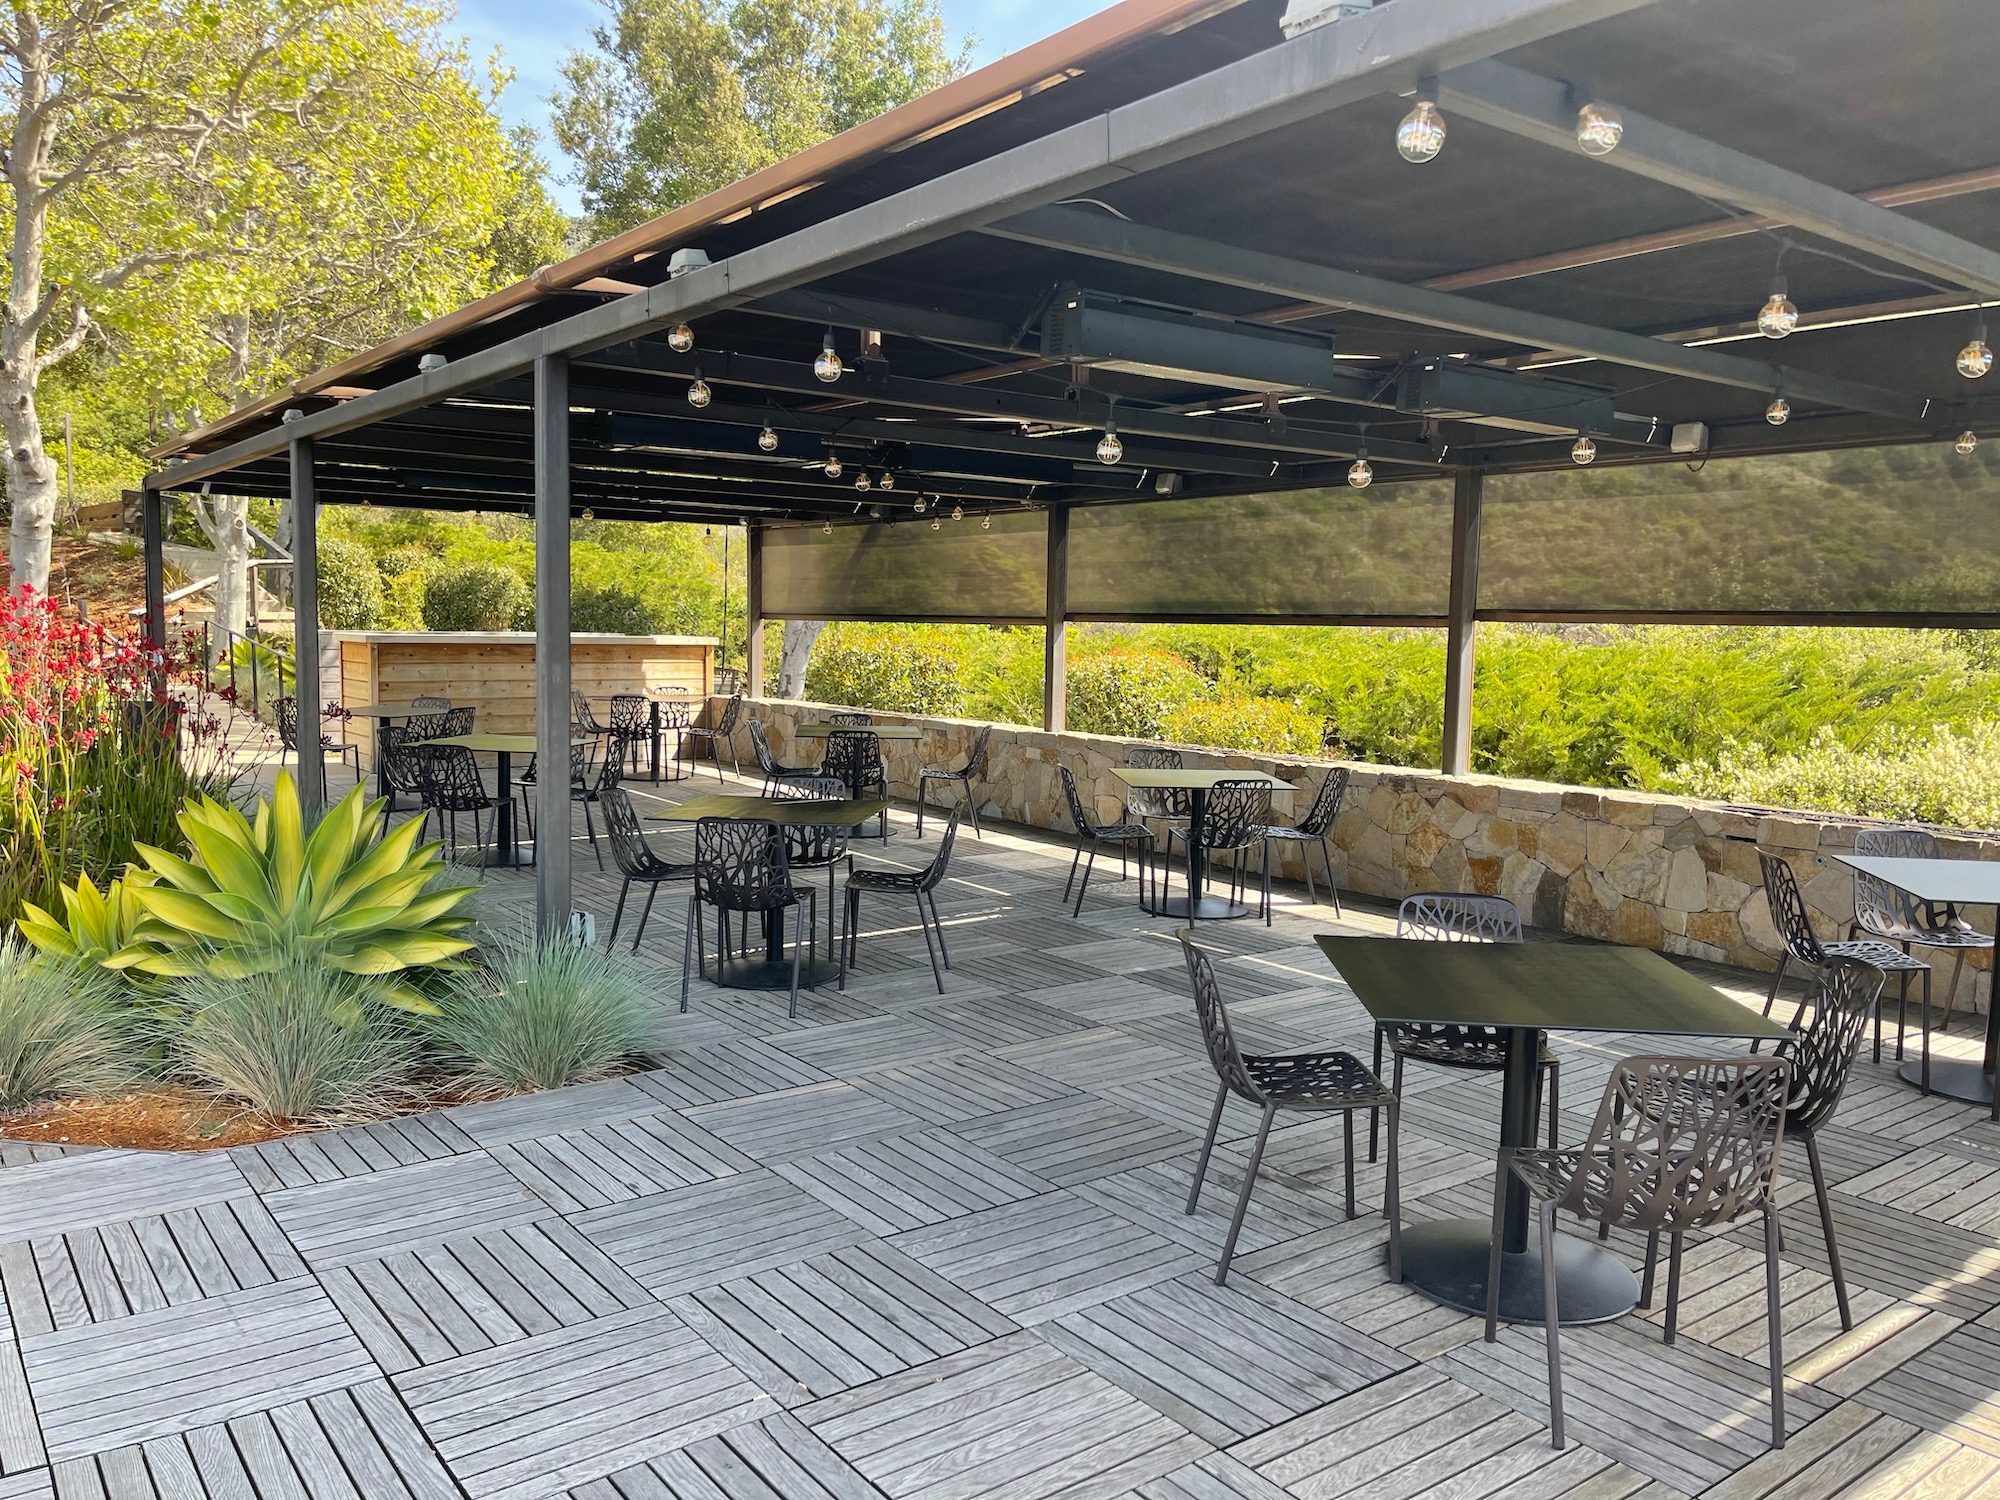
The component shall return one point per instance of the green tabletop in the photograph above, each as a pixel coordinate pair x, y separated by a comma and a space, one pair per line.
498, 744
800, 812
387, 710
1165, 779
880, 731
1955, 882
1553, 986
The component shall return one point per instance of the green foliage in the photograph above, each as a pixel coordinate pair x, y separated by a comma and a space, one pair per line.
546, 1013
296, 1042
95, 925
484, 596
1935, 776
617, 611
1242, 723
60, 1031
1131, 690
350, 587
910, 669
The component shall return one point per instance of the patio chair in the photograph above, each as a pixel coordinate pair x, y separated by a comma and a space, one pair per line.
739, 866
1234, 816
775, 771
851, 720
1801, 945
631, 724
428, 722
635, 859
288, 743
973, 770
1149, 805
715, 736
398, 767
920, 885
1679, 1144
1483, 1049
584, 787
449, 783
1299, 1082
1092, 835
817, 846
1316, 827
1882, 911
855, 756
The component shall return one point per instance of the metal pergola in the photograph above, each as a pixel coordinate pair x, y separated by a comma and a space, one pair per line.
1177, 223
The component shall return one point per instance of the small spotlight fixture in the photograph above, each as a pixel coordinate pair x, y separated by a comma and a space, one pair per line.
431, 361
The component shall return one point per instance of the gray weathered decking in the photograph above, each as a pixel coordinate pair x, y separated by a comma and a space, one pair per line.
930, 1246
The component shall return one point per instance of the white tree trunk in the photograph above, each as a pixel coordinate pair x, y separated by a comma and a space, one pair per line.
31, 479
225, 522
800, 635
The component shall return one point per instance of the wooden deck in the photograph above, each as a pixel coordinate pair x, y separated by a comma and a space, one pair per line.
919, 1246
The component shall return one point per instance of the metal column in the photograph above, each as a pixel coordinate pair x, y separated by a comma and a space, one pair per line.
1055, 641
305, 625
753, 611
1466, 496
153, 534
552, 732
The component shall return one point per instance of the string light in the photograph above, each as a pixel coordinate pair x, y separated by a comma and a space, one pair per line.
699, 395
1779, 412
1420, 136
680, 338
888, 480
1968, 442
934, 523
1110, 449
986, 521
768, 439
1583, 450
923, 504
1599, 129
833, 466
958, 512
827, 528
1361, 473
861, 481
1975, 359
1778, 317
828, 366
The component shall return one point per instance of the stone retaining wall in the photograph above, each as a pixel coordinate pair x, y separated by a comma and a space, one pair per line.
1651, 871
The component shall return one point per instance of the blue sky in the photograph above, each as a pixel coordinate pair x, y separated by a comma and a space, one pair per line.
533, 36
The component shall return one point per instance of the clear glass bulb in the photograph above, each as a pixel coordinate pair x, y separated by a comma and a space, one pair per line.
922, 505
1968, 442
1361, 473
767, 439
827, 528
1599, 129
986, 523
1777, 317
1583, 450
828, 366
699, 395
1779, 412
680, 338
832, 468
958, 512
1421, 135
1975, 359
861, 481
1110, 449
888, 480
934, 523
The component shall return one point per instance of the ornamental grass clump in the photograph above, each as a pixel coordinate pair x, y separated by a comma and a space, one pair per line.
545, 1013
61, 1031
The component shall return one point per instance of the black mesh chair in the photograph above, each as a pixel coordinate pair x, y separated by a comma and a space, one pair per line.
1092, 835
851, 720
398, 769
1164, 805
1316, 827
1234, 816
1301, 1082
817, 846
1882, 911
920, 885
774, 771
430, 703
429, 722
963, 776
449, 783
739, 866
855, 756
1483, 1049
716, 736
585, 785
455, 721
631, 724
1679, 1144
635, 859
288, 742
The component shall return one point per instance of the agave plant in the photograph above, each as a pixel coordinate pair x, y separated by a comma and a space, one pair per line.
96, 925
256, 894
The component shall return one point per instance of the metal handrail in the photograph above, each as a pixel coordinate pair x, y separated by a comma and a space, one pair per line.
284, 660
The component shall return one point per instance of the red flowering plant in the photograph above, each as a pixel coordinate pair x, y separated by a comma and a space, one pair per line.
101, 739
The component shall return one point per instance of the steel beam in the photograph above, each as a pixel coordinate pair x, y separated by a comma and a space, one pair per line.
1055, 621
552, 676
753, 611
1544, 110
153, 540
1461, 626
1090, 233
305, 626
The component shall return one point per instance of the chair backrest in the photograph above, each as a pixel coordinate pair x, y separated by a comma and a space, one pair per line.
975, 758
815, 843
853, 721
1154, 758
1223, 1054
1085, 824
1156, 801
1823, 1050
581, 714
739, 864
610, 773
1898, 843
812, 788
287, 709
1233, 814
629, 849
854, 755
760, 746
732, 714
1683, 1142
631, 714
430, 703
448, 777
1880, 908
934, 873
391, 741
455, 721
1788, 911
1318, 821
1451, 918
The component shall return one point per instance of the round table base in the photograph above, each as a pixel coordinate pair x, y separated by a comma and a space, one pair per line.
1953, 1079
1447, 1260
775, 974
1211, 909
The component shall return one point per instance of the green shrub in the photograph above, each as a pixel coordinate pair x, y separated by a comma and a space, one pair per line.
1935, 776
60, 1030
297, 1042
1241, 723
616, 611
404, 573
484, 596
1131, 691
350, 588
546, 1013
908, 669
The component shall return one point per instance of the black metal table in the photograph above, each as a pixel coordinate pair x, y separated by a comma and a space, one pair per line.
1528, 989
1196, 784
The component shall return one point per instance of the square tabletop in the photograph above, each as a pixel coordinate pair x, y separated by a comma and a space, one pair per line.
1550, 986
386, 710
499, 744
798, 812
1958, 882
880, 731
1165, 779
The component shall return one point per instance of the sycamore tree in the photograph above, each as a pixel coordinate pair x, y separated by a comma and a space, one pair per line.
221, 193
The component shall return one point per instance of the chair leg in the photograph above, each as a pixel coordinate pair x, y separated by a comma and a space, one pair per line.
1552, 1323
923, 795
938, 922
1347, 1155
1392, 1190
1089, 865
1951, 990
618, 912
1374, 1131
645, 916
1776, 1335
1503, 1164
1243, 1198
1326, 858
1652, 1260
1926, 1072
1826, 1229
1074, 860
852, 904
687, 947
1555, 1100
1207, 1145
591, 829
1673, 1287
972, 810
799, 942
924, 922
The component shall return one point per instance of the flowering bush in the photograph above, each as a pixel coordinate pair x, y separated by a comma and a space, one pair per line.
100, 741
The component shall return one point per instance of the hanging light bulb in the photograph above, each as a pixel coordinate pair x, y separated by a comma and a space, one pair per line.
699, 395
1421, 135
827, 528
1583, 450
888, 480
1975, 359
680, 338
1968, 442
923, 504
828, 366
986, 521
1599, 129
1777, 317
1361, 473
1779, 412
768, 439
958, 512
934, 523
861, 481
833, 466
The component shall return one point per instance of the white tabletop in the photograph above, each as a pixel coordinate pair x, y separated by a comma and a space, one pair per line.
1961, 882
